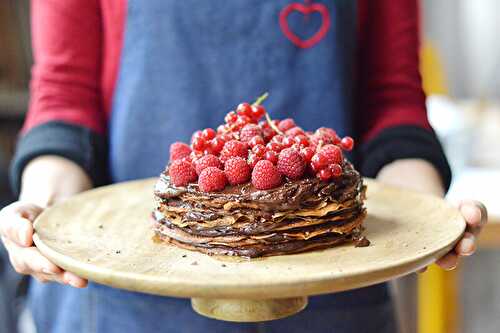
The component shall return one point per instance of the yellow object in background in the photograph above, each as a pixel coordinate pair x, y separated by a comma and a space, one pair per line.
432, 70
438, 303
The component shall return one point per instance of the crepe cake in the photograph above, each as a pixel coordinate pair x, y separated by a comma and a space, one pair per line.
269, 188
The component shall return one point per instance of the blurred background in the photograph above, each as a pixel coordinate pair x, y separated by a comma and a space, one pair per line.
461, 71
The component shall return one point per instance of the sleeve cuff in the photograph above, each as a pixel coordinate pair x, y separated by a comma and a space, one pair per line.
76, 143
403, 142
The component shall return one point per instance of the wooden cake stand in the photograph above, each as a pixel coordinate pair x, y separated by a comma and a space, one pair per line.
105, 235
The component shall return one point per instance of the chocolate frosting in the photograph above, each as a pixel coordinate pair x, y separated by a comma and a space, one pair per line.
292, 195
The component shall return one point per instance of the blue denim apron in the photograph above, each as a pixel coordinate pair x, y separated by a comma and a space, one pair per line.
184, 64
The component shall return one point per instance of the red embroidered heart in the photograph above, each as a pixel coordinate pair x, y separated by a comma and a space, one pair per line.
306, 10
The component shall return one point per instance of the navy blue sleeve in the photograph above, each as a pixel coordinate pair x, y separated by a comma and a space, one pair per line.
403, 142
76, 143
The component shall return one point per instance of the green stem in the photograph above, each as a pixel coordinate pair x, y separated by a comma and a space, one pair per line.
261, 99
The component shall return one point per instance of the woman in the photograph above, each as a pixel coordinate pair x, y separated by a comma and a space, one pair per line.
116, 82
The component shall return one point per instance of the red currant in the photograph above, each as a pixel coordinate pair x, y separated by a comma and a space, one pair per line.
263, 124
197, 134
288, 141
347, 143
198, 144
268, 134
208, 151
231, 117
274, 146
259, 150
195, 155
221, 129
244, 109
256, 140
302, 140
217, 144
278, 139
318, 162
258, 111
271, 156
208, 134
226, 137
253, 159
335, 169
336, 140
307, 153
242, 121
325, 174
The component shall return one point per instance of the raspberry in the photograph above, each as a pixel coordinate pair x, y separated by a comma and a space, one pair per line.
291, 163
233, 148
181, 173
249, 131
265, 176
332, 153
286, 124
212, 179
179, 150
207, 161
327, 133
237, 170
294, 131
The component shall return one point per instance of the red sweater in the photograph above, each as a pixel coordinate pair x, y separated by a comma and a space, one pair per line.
77, 48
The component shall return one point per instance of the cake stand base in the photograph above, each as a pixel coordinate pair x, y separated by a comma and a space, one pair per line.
238, 310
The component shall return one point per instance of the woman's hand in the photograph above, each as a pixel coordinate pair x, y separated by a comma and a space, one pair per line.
421, 176
46, 180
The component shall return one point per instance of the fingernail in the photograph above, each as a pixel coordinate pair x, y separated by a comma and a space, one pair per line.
468, 246
73, 283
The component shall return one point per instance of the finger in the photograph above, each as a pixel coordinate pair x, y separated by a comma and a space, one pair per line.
44, 278
26, 210
448, 262
15, 222
467, 245
471, 214
74, 280
29, 260
16, 229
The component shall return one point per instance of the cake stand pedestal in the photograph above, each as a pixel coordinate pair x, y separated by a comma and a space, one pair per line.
105, 236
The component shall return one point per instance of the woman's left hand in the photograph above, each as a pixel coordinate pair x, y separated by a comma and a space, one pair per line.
421, 176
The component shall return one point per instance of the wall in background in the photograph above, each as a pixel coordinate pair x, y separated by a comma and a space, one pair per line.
466, 34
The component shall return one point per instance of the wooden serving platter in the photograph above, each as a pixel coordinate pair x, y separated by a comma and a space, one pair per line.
105, 235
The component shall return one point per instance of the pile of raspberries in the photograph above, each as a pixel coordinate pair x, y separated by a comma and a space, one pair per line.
265, 153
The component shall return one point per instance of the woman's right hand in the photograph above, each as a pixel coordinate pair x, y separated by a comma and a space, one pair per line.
16, 230
45, 181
